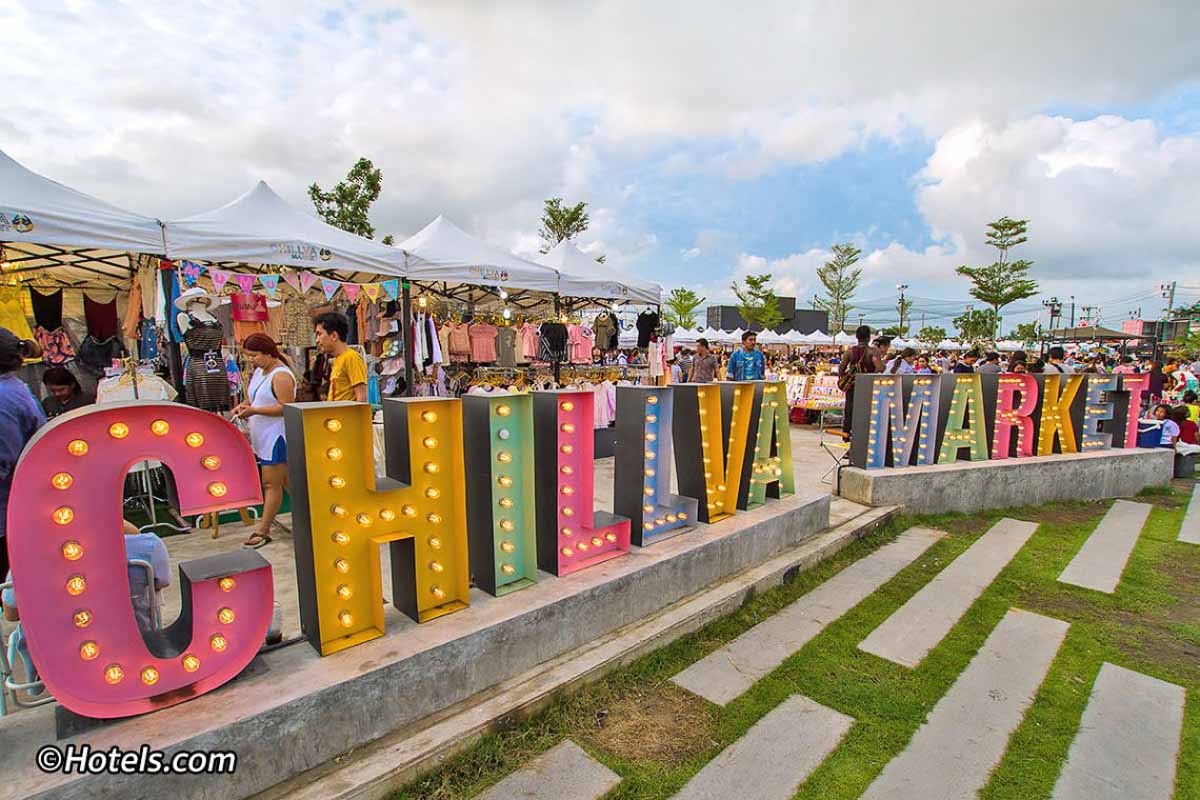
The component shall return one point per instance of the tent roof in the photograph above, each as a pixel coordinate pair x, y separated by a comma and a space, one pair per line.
261, 228
52, 235
442, 251
580, 275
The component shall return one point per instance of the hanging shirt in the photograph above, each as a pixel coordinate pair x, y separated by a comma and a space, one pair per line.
483, 343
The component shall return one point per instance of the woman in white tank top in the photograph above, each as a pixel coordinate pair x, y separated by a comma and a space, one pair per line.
272, 385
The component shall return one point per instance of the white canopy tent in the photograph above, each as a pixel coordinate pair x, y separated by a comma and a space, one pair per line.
818, 337
261, 228
55, 236
844, 338
442, 251
580, 275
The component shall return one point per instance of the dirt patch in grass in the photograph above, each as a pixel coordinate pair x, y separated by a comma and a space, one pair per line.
1071, 514
667, 725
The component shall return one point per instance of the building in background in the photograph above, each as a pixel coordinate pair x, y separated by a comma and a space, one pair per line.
804, 320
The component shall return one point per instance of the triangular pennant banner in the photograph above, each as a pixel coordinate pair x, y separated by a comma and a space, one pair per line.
244, 282
351, 290
392, 288
220, 277
372, 290
293, 280
307, 279
191, 273
329, 287
269, 283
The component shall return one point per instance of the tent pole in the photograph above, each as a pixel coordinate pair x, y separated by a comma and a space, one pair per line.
557, 315
406, 321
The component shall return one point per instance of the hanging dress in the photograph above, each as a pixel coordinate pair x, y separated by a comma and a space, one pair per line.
207, 382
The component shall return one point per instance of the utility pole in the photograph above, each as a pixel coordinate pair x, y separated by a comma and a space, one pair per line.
1168, 291
900, 287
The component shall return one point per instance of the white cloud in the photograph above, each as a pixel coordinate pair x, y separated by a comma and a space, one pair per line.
482, 110
689, 253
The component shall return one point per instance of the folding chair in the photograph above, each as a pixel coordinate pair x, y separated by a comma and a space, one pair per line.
838, 450
10, 686
152, 598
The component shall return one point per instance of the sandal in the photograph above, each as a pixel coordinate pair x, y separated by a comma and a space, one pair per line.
262, 540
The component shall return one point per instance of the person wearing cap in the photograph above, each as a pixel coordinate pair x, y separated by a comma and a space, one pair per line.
20, 417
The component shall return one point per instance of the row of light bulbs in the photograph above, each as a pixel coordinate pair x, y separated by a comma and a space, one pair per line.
73, 551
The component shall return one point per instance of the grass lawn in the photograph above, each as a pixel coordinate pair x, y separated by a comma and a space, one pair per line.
656, 736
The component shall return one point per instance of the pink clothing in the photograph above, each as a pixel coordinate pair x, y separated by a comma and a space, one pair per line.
529, 341
459, 341
579, 344
483, 343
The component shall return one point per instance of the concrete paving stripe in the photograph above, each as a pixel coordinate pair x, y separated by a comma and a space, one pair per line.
952, 755
915, 628
564, 772
1128, 740
1099, 563
729, 671
1189, 531
774, 757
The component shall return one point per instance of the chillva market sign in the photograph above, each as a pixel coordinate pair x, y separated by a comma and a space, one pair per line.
917, 420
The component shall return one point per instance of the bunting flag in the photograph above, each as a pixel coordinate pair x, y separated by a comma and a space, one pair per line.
270, 283
244, 282
293, 280
191, 273
329, 287
372, 290
351, 290
307, 279
219, 278
392, 288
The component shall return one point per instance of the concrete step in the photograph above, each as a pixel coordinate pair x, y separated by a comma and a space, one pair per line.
376, 771
564, 772
1128, 740
774, 757
727, 672
952, 755
1100, 562
915, 628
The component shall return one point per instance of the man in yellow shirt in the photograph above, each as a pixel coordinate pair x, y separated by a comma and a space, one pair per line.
348, 374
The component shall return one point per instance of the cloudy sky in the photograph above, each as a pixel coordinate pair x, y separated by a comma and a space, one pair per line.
711, 139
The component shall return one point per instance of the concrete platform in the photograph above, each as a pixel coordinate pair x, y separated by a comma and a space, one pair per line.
303, 711
979, 485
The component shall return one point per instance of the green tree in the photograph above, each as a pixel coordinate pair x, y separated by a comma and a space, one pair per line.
975, 326
681, 307
840, 279
1026, 332
931, 335
562, 222
903, 306
1003, 281
348, 206
757, 302
891, 330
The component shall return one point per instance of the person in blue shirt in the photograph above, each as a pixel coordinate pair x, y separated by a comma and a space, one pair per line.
20, 417
747, 364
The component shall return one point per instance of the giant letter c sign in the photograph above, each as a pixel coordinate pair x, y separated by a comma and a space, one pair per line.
69, 568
